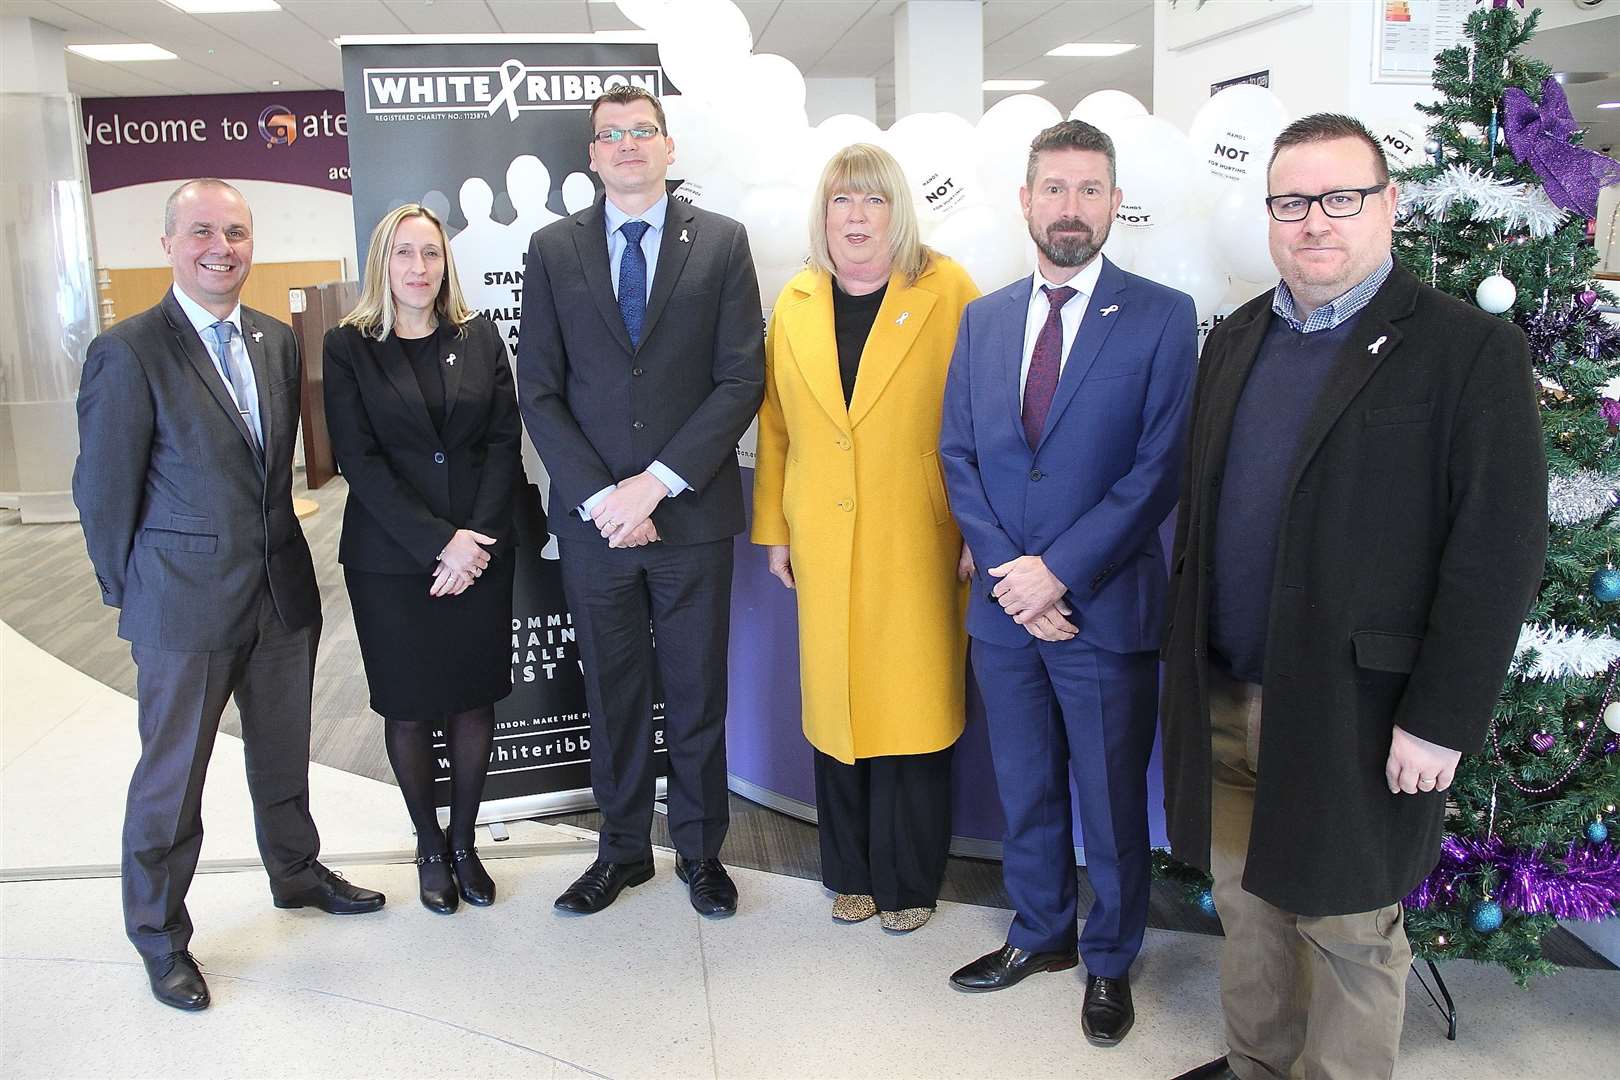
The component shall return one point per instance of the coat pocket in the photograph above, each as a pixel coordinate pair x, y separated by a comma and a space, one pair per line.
1416, 413
935, 482
1376, 650
177, 541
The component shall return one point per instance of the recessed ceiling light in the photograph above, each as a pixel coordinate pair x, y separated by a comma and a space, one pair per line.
1012, 84
275, 82
123, 53
222, 7
1610, 105
1091, 48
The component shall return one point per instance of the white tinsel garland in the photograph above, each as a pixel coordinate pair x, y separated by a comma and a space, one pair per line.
1561, 653
1580, 497
1514, 205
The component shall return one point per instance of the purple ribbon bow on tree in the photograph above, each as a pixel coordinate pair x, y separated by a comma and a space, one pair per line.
1539, 135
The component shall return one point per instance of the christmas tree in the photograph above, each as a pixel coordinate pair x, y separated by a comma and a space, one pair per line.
1496, 217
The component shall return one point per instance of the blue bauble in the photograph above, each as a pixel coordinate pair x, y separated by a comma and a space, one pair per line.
1485, 917
1206, 902
1597, 832
1606, 585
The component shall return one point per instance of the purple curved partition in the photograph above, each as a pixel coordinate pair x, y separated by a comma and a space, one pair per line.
768, 758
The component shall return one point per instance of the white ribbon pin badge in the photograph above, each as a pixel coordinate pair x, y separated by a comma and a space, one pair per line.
1107, 311
1375, 346
258, 335
685, 239
451, 359
901, 321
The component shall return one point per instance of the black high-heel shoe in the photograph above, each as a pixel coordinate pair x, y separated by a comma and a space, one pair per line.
439, 899
476, 885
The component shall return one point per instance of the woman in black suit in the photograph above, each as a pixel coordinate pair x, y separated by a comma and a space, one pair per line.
425, 427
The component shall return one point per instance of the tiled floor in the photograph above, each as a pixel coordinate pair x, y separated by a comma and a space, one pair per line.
646, 989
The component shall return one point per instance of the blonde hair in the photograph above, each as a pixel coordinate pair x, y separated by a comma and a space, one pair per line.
373, 315
871, 170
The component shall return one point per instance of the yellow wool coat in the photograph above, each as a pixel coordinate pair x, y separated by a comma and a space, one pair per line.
858, 495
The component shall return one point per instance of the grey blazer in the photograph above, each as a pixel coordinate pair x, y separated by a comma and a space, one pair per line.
183, 520
599, 410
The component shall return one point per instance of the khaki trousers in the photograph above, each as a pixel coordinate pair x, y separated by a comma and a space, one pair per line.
1319, 997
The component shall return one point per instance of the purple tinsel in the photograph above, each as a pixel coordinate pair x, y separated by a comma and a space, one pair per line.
1610, 409
1584, 884
1539, 137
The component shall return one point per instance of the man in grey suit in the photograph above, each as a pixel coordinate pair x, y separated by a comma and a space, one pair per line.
641, 361
187, 413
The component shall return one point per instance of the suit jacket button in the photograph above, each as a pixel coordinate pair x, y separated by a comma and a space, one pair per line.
1035, 474
635, 371
438, 457
638, 425
843, 444
846, 504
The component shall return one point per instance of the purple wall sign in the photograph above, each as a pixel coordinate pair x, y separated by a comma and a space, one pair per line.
300, 137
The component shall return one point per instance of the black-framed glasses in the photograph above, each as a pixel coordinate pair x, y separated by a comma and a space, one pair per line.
609, 136
1336, 204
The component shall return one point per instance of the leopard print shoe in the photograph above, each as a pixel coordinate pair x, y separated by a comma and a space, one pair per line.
907, 919
848, 908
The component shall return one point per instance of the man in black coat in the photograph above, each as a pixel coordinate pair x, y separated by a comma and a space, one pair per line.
641, 362
1361, 531
187, 415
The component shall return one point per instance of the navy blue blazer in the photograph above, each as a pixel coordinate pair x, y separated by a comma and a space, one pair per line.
1090, 497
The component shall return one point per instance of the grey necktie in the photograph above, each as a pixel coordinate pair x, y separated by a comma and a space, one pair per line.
222, 332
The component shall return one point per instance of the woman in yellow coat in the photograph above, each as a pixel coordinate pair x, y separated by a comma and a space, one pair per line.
850, 501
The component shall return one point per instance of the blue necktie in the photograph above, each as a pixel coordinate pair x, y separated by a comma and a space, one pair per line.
633, 279
222, 332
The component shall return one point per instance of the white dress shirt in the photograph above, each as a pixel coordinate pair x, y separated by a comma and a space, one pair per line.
202, 319
654, 216
1084, 283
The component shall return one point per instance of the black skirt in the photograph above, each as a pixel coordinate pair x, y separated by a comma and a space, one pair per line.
433, 654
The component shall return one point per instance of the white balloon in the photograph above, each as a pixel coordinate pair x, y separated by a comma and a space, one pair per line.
777, 218
1120, 247
647, 14
1183, 256
1241, 230
773, 278
700, 145
992, 246
830, 136
703, 51
1402, 139
1232, 134
578, 192
1100, 108
1156, 170
771, 82
1002, 137
764, 160
719, 191
935, 150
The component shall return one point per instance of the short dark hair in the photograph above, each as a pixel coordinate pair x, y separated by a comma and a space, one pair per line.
171, 204
624, 95
1325, 127
1070, 135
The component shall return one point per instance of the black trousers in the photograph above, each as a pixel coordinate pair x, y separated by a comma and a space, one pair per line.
885, 826
181, 696
621, 599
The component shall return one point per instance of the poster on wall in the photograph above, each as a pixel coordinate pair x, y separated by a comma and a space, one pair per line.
488, 134
1411, 32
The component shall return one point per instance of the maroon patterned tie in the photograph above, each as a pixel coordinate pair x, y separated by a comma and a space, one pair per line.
1040, 385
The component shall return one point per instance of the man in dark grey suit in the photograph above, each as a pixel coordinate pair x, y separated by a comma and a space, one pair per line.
187, 413
641, 362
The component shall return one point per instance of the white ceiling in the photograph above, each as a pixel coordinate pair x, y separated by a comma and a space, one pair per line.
224, 54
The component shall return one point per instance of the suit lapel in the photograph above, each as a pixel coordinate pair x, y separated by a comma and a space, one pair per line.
679, 222
1014, 318
900, 319
1088, 340
590, 241
196, 354
397, 369
1357, 362
453, 364
253, 339
809, 319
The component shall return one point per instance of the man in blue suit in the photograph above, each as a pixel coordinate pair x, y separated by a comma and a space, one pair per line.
1064, 417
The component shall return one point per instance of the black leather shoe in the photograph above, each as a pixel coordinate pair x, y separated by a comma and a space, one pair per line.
1009, 966
177, 981
476, 885
437, 885
332, 894
1107, 1014
1210, 1070
601, 884
713, 893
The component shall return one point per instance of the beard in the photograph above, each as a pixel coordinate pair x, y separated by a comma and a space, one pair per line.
1072, 250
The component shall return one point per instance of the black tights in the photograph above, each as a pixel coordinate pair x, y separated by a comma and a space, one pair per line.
468, 737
